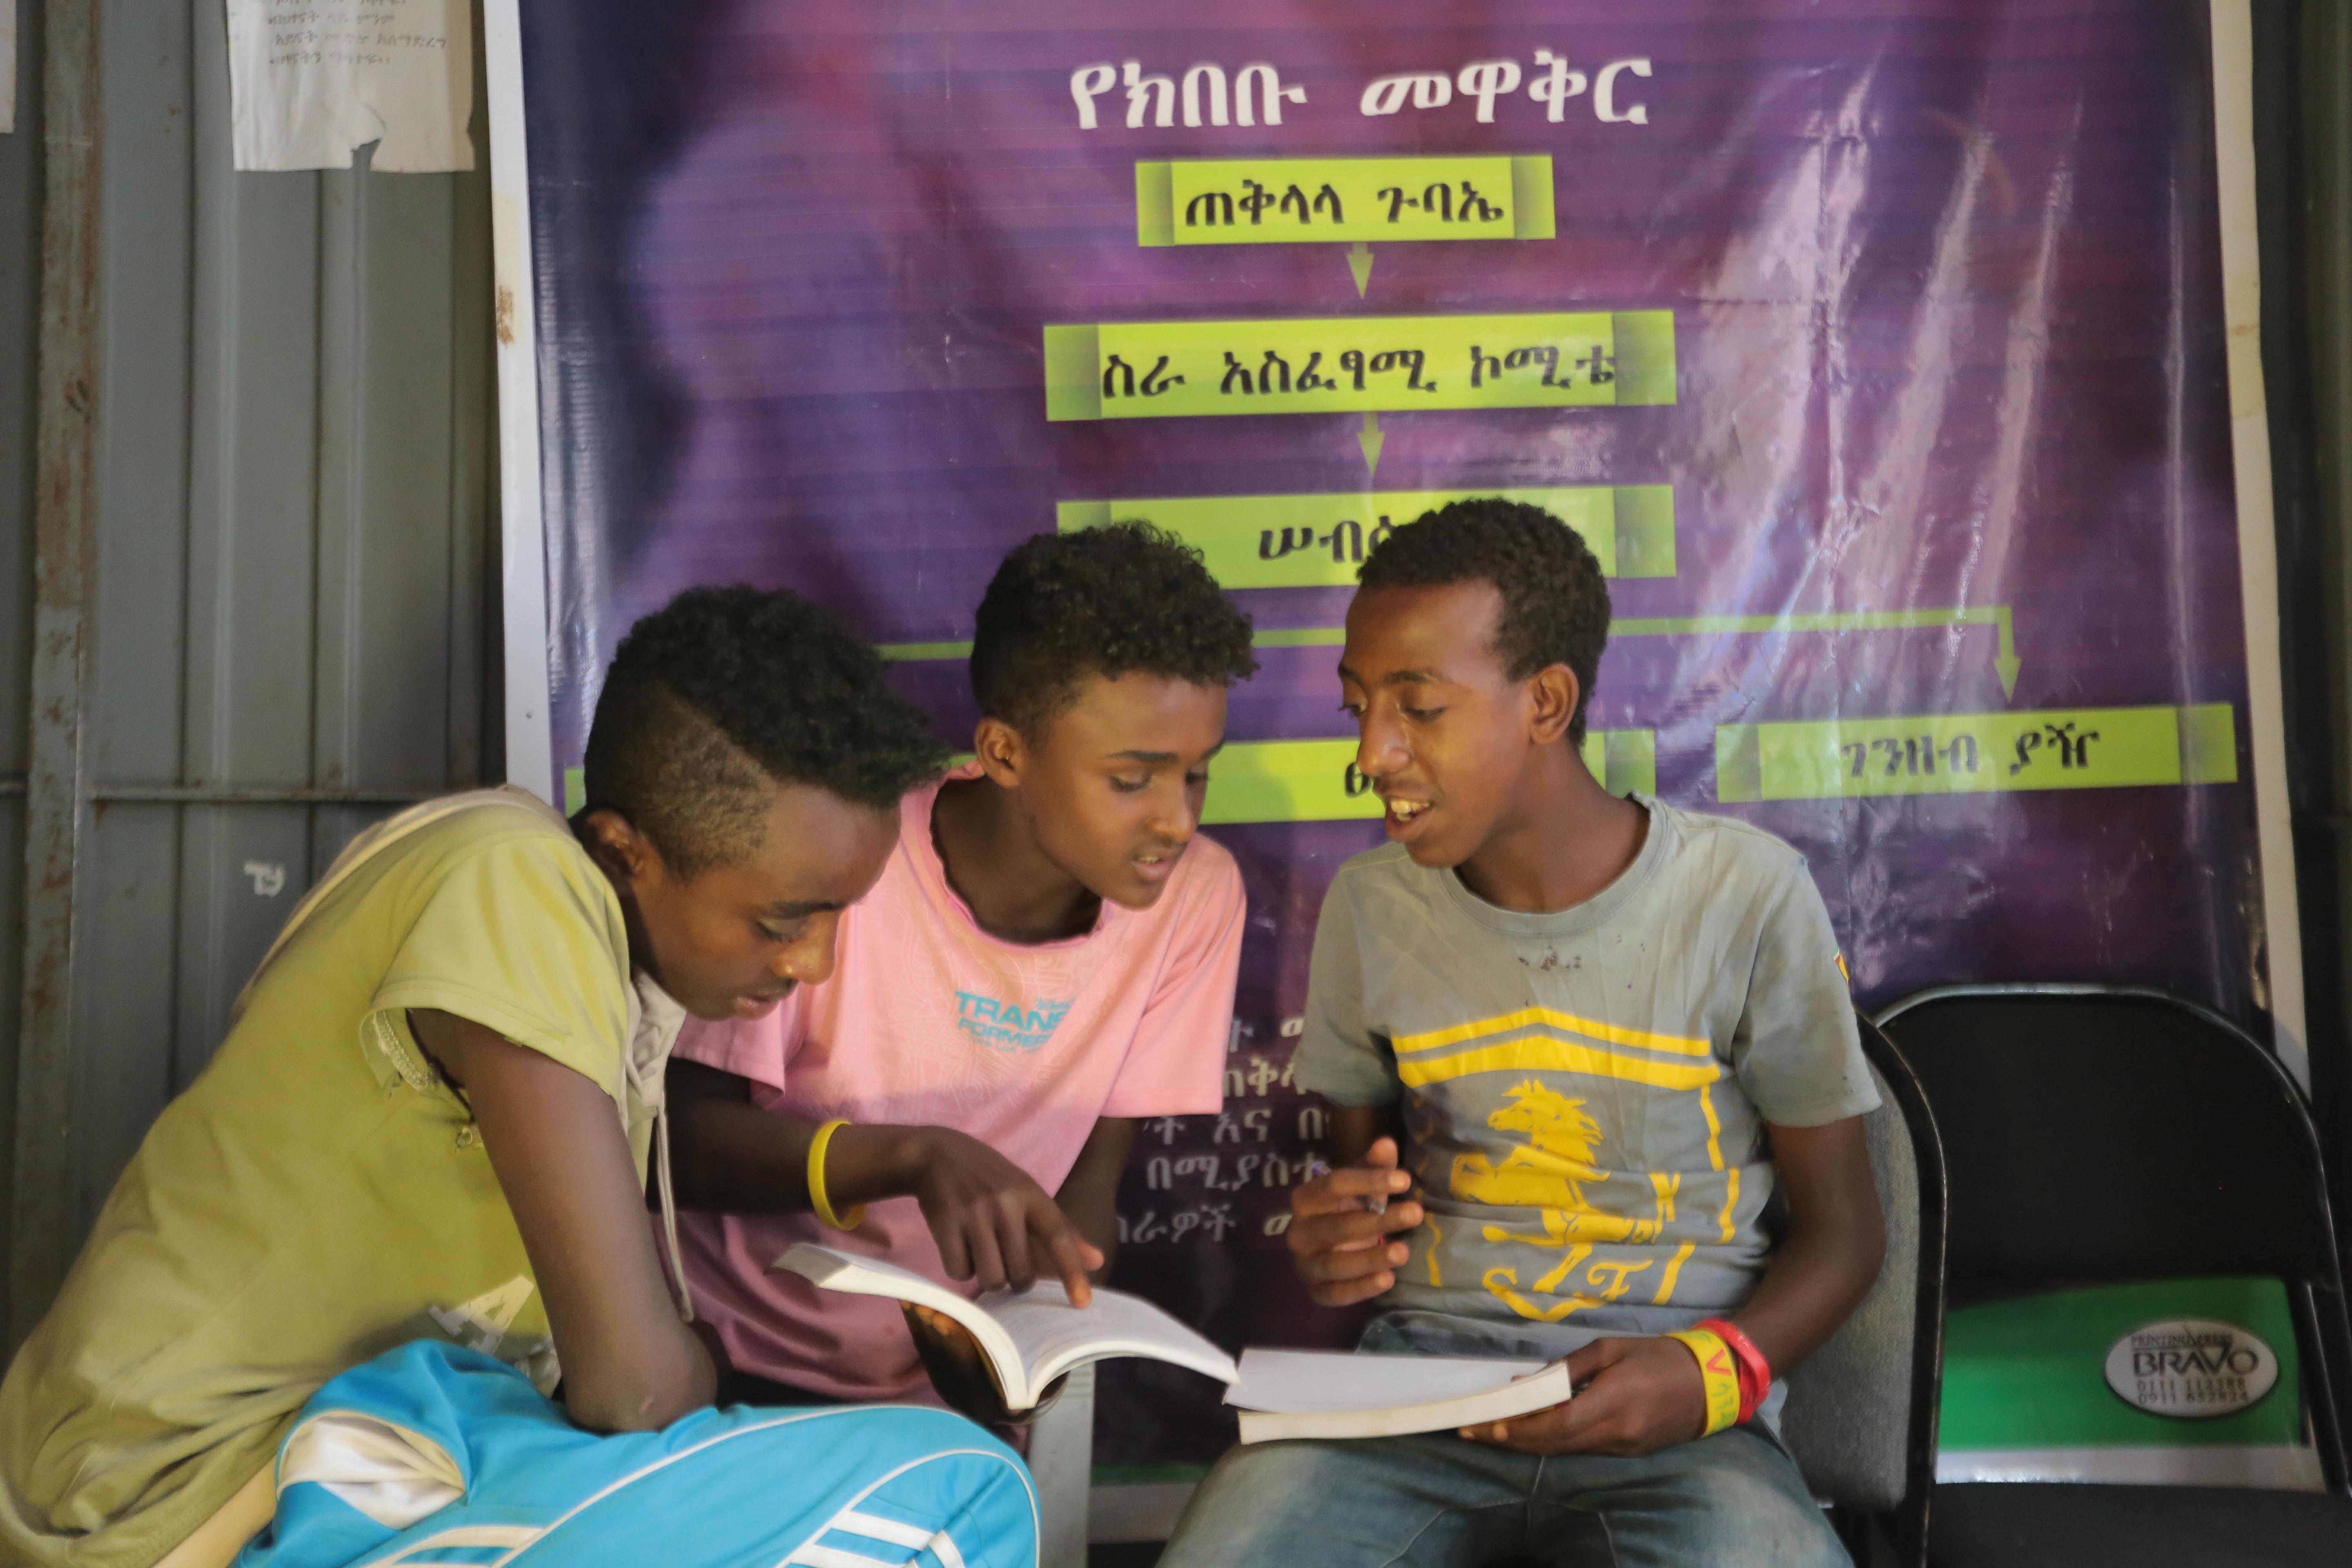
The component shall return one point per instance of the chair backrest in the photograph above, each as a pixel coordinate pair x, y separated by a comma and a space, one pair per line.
2113, 1134
1861, 1410
2116, 1134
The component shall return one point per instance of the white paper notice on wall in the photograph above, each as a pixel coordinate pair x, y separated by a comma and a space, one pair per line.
312, 80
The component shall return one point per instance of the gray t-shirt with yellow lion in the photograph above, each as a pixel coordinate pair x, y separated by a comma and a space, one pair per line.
1586, 1090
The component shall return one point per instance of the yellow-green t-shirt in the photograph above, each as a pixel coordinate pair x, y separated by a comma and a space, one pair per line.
319, 1195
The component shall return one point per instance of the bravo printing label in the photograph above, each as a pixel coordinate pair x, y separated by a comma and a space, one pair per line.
2192, 1368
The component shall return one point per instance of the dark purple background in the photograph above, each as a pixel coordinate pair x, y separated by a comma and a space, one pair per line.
1946, 287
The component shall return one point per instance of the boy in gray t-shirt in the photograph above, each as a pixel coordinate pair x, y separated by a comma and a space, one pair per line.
1605, 1032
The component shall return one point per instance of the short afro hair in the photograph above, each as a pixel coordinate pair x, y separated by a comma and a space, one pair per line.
1107, 600
726, 692
1555, 604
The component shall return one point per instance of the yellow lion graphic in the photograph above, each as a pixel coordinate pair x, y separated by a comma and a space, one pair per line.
1548, 1173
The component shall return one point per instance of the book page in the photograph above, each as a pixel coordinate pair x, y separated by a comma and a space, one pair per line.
1053, 1335
1321, 1381
837, 1270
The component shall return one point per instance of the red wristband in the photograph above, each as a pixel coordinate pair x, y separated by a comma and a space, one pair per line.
1755, 1371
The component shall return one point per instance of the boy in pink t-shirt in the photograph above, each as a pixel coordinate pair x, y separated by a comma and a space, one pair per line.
1049, 957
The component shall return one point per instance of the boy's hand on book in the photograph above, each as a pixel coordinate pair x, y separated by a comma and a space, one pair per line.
1633, 1397
994, 1223
1343, 1225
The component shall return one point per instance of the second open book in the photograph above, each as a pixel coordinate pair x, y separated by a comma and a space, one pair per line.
1335, 1394
1032, 1337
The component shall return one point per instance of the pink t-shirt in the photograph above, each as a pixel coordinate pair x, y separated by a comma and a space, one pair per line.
928, 1020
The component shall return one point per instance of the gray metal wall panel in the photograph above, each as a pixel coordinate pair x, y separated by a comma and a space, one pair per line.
20, 254
254, 455
148, 201
20, 249
125, 881
121, 994
291, 557
386, 534
227, 915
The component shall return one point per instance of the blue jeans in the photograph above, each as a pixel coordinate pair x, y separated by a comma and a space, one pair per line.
1731, 1500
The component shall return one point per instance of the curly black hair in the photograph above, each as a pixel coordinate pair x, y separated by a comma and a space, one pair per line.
1105, 600
1555, 604
725, 692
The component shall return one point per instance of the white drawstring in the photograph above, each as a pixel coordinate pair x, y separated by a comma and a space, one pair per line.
656, 1030
669, 1217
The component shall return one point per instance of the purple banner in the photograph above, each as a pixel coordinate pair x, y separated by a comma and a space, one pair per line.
1947, 589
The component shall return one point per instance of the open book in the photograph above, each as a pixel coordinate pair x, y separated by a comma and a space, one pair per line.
1030, 1337
1334, 1393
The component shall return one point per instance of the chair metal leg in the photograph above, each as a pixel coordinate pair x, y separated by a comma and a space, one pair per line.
1062, 1459
2324, 1370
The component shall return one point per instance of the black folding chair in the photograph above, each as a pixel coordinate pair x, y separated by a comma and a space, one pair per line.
1861, 1410
2105, 1133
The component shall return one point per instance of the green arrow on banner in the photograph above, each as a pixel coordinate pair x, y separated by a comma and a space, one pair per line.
1315, 781
2004, 662
1995, 615
917, 652
1359, 264
1300, 637
1371, 440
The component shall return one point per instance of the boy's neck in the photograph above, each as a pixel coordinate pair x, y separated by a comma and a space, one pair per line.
993, 861
632, 920
1569, 840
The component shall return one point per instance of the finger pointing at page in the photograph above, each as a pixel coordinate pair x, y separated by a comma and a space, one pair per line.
1073, 1255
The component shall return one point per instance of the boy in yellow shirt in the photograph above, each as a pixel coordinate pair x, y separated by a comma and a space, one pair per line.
433, 1111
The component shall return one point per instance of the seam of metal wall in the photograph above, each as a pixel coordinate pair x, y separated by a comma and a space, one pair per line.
473, 468
20, 243
65, 529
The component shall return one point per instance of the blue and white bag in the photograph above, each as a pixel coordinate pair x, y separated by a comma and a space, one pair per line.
435, 1454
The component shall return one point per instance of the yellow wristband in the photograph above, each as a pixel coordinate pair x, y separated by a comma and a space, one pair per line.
1720, 1371
822, 1205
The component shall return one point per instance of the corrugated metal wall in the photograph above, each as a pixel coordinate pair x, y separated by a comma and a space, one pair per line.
20, 240
289, 633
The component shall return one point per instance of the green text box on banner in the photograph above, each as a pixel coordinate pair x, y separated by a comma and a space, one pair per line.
1969, 753
1340, 364
1318, 541
1287, 201
1315, 781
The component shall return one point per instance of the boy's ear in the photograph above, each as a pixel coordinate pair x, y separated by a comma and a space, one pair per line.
621, 851
1002, 751
1552, 695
